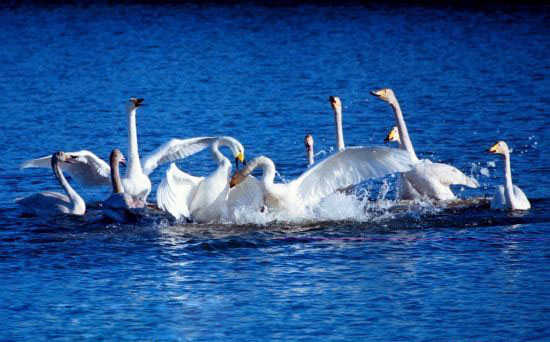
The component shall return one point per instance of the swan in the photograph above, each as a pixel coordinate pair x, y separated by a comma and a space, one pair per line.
339, 170
53, 203
120, 207
200, 198
337, 108
135, 182
308, 140
432, 180
508, 196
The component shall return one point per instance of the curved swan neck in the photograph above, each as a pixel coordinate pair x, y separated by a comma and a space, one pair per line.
267, 166
509, 187
404, 140
73, 196
115, 176
133, 153
339, 131
215, 149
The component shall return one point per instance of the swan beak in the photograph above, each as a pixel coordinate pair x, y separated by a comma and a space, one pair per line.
239, 158
376, 93
123, 161
390, 137
138, 102
492, 149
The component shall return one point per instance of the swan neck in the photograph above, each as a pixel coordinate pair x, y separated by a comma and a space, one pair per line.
215, 149
404, 141
73, 196
509, 187
133, 154
268, 170
310, 156
339, 131
115, 177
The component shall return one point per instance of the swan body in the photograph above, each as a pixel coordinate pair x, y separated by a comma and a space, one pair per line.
338, 171
53, 203
425, 179
200, 198
508, 196
120, 206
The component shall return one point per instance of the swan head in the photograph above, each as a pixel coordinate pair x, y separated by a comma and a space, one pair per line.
237, 178
500, 147
117, 157
335, 103
308, 140
133, 103
392, 136
385, 94
62, 157
238, 152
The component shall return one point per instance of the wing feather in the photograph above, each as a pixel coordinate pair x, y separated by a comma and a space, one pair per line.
88, 169
349, 167
176, 190
449, 175
173, 150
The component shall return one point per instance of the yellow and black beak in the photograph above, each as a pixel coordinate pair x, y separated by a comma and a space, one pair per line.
239, 158
492, 149
390, 137
377, 93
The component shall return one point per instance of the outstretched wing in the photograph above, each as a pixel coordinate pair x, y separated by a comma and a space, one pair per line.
176, 190
173, 150
88, 169
449, 175
349, 167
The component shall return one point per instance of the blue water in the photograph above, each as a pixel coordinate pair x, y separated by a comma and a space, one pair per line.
464, 77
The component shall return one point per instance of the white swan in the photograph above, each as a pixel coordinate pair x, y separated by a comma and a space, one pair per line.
135, 182
53, 203
337, 108
200, 198
338, 171
308, 140
120, 206
428, 179
508, 196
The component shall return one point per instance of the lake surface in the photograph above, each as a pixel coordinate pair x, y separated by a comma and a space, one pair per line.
464, 78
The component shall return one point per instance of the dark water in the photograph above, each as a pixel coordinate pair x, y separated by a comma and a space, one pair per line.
464, 78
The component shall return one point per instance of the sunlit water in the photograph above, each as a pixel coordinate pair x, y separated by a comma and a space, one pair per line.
362, 267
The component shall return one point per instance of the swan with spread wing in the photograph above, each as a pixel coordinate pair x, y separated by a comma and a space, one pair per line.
340, 170
200, 198
432, 180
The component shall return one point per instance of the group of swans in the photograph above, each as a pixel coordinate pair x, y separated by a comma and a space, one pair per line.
216, 196
433, 180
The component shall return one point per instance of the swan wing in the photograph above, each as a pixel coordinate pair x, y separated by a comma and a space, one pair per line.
88, 169
447, 174
176, 190
521, 198
349, 167
173, 150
